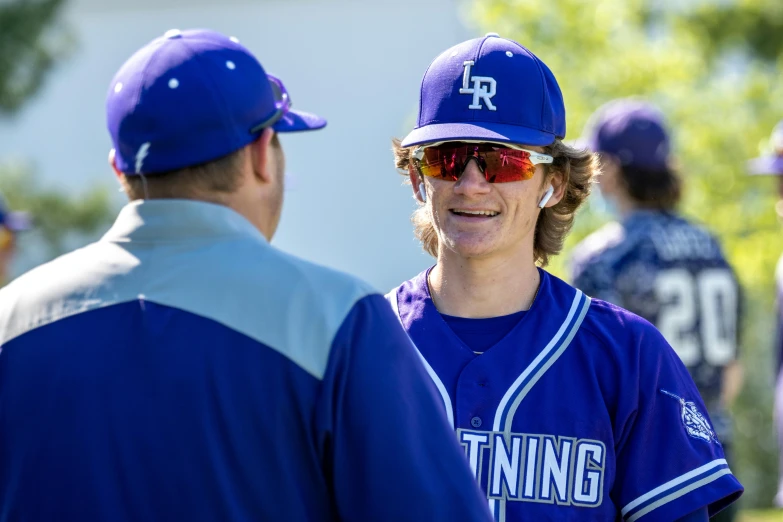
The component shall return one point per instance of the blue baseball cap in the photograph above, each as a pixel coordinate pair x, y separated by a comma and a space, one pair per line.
489, 89
771, 163
14, 221
193, 96
633, 131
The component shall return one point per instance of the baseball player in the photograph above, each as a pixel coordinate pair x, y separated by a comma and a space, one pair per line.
181, 368
568, 408
772, 164
657, 264
11, 223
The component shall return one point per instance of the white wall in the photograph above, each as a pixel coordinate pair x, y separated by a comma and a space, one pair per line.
357, 63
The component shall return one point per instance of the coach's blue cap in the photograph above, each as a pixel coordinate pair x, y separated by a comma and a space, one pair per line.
14, 221
771, 163
633, 131
489, 89
190, 97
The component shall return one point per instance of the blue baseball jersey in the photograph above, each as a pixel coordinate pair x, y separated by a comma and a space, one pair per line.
181, 368
674, 274
581, 412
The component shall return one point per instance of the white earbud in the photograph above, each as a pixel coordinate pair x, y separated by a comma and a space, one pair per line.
547, 195
422, 193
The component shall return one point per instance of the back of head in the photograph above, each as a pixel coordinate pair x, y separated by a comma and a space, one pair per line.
633, 134
186, 104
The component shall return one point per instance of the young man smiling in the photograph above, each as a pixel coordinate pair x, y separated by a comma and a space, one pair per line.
568, 408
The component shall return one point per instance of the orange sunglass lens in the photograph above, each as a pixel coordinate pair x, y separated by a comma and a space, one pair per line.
506, 165
442, 163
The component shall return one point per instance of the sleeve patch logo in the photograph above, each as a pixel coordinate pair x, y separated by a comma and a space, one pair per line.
696, 424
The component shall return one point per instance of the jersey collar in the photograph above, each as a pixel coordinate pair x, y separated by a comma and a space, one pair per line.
178, 219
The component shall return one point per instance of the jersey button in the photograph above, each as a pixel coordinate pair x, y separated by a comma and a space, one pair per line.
475, 422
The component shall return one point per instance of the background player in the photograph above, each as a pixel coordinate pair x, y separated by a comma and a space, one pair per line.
657, 264
568, 409
11, 223
181, 368
772, 164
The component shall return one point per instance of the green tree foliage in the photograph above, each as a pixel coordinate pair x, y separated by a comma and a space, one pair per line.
59, 218
32, 40
714, 67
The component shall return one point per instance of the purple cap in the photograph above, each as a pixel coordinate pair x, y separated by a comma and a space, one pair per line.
190, 97
770, 163
14, 221
489, 89
631, 130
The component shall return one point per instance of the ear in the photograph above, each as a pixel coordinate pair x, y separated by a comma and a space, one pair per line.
113, 164
556, 180
260, 150
416, 181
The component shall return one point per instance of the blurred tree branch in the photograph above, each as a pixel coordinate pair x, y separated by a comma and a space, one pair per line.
56, 215
31, 42
751, 27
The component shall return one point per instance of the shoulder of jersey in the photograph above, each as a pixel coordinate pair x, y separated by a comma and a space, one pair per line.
605, 238
253, 262
391, 295
25, 284
699, 227
617, 328
247, 285
608, 324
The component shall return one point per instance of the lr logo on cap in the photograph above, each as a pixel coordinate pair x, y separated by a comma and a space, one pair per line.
479, 89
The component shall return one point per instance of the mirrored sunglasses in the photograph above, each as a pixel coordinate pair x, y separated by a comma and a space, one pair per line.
498, 163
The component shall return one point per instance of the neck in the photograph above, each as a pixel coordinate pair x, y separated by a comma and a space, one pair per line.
625, 206
259, 212
488, 287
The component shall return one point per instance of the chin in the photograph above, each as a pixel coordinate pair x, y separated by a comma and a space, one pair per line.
471, 249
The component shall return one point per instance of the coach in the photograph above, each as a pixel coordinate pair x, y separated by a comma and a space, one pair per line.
181, 368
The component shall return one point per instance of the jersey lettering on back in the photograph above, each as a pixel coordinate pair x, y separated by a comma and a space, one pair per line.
673, 274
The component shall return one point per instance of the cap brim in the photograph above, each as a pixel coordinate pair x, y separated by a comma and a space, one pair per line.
18, 221
766, 165
294, 121
499, 132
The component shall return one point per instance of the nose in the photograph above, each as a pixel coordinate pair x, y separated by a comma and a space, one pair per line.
472, 182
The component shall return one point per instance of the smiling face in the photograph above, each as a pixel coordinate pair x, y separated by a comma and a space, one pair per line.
477, 219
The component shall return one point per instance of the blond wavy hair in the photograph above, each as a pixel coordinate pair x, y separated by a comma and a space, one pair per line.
579, 169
